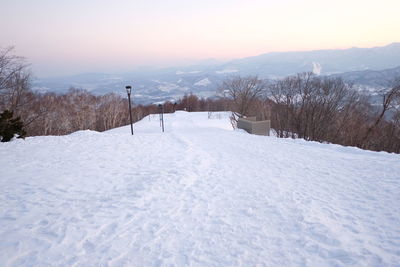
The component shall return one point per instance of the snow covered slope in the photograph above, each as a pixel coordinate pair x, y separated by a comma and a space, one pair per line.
199, 195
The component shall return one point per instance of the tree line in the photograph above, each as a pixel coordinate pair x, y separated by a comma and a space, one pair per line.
322, 109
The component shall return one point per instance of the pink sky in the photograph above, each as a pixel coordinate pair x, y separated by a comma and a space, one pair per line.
66, 37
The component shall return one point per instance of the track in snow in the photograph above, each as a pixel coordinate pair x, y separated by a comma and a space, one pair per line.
199, 194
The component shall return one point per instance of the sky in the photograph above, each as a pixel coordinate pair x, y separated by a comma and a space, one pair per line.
60, 37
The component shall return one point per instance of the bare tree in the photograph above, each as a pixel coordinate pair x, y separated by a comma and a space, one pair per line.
284, 94
14, 80
244, 92
111, 112
390, 100
309, 107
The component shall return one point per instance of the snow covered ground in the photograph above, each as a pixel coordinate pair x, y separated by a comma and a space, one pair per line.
198, 195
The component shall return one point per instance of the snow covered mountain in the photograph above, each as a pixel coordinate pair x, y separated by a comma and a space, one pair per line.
151, 85
199, 194
371, 78
324, 61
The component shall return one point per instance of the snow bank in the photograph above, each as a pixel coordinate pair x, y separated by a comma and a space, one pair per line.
199, 194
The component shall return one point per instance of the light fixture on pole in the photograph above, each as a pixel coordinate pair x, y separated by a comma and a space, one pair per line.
161, 111
128, 91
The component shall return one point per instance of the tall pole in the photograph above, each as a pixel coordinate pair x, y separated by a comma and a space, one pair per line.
128, 90
161, 111
162, 118
130, 113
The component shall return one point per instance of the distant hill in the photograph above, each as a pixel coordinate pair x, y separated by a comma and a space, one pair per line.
371, 78
320, 61
364, 66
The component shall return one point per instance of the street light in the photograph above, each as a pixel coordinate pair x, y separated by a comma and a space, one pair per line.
128, 91
161, 111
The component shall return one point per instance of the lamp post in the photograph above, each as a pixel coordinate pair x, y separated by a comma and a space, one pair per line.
128, 91
161, 110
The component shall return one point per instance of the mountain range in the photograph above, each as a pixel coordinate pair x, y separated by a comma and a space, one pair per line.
368, 68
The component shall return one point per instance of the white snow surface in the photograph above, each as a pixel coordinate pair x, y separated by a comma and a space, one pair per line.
167, 87
203, 82
226, 71
199, 194
317, 68
179, 72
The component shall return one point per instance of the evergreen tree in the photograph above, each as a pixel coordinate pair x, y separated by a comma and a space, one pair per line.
10, 127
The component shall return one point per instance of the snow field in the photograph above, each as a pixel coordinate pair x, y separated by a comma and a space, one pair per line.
199, 195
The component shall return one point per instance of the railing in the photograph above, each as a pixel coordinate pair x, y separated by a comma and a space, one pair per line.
252, 126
